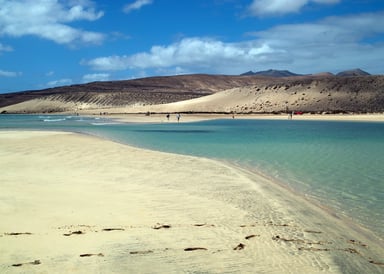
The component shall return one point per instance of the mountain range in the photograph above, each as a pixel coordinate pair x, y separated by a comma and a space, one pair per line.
287, 73
272, 73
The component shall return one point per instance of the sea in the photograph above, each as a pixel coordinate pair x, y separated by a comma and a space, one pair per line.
336, 164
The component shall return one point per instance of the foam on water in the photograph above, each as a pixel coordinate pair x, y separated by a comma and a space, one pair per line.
104, 123
54, 120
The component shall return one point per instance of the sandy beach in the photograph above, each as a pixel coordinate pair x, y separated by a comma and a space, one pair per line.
73, 203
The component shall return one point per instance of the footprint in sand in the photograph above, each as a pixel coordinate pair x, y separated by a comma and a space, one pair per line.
74, 233
194, 248
17, 233
90, 255
313, 249
313, 231
355, 242
278, 238
35, 262
141, 252
207, 225
376, 263
251, 236
159, 226
240, 246
113, 229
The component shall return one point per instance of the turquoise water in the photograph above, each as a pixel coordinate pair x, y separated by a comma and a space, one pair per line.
338, 164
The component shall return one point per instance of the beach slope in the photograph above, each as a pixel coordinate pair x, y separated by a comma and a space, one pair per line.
72, 203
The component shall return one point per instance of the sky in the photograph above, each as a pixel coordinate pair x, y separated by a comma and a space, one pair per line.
49, 43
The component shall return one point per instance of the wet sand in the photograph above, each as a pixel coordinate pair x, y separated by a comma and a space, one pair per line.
72, 203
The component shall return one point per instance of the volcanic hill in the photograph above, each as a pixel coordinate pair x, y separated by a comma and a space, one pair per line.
209, 94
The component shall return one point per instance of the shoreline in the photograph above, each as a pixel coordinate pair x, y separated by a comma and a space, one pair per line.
313, 202
281, 223
196, 117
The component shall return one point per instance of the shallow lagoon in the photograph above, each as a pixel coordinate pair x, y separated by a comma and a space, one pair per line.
337, 164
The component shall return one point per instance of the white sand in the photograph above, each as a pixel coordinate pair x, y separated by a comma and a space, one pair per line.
86, 205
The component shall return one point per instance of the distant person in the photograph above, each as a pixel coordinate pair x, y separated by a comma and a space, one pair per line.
168, 115
178, 117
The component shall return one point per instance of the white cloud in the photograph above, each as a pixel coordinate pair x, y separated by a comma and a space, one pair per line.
48, 19
5, 48
332, 31
4, 73
95, 77
334, 43
60, 82
190, 52
138, 4
278, 7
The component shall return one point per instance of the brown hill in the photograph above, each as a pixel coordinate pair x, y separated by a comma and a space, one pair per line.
208, 93
144, 91
301, 94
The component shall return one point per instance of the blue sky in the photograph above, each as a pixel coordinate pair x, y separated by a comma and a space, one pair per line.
48, 43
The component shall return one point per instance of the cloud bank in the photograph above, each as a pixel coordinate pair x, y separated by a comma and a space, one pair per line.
48, 19
193, 53
334, 42
279, 7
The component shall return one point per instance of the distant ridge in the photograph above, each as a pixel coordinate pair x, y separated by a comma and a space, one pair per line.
272, 73
353, 72
287, 73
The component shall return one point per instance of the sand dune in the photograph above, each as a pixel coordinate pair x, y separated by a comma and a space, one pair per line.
304, 96
78, 204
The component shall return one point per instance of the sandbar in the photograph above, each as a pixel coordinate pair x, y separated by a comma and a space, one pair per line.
72, 203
